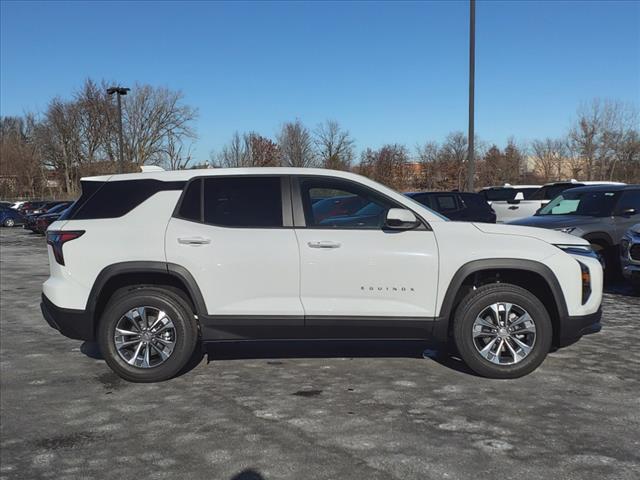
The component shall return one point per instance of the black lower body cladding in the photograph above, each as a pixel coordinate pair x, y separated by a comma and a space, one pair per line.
76, 324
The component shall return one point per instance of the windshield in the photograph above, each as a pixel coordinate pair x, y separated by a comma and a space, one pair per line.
591, 204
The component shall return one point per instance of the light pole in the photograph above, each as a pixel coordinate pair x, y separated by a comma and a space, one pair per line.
471, 167
119, 91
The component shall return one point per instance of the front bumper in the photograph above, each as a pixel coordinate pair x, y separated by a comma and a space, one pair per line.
74, 324
573, 328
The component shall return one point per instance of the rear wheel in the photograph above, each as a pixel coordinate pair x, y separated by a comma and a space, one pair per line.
502, 331
147, 334
9, 222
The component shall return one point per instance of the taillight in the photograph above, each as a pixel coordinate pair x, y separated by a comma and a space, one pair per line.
58, 238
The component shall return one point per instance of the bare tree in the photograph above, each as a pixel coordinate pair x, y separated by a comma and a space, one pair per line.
248, 150
388, 165
428, 156
20, 164
296, 145
237, 153
548, 156
150, 117
600, 135
176, 155
60, 142
334, 145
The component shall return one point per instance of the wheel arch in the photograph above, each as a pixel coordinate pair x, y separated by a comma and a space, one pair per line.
601, 238
529, 274
121, 275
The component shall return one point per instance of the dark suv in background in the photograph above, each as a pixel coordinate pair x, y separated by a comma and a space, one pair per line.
459, 206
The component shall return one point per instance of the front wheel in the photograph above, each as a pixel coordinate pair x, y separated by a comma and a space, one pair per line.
147, 334
502, 331
9, 222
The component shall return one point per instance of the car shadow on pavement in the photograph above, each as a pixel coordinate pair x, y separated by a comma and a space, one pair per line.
621, 288
276, 350
91, 350
287, 349
248, 474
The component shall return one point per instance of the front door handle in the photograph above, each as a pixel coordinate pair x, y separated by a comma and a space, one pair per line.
194, 240
324, 244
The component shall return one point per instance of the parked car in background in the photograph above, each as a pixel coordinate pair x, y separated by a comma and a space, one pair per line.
27, 208
630, 256
43, 221
337, 206
10, 217
459, 206
601, 214
522, 207
31, 220
507, 192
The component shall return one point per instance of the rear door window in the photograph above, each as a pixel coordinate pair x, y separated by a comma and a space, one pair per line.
446, 203
242, 202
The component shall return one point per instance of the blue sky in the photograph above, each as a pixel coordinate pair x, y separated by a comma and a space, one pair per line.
388, 72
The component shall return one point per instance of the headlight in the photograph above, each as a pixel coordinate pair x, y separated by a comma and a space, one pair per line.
582, 250
566, 229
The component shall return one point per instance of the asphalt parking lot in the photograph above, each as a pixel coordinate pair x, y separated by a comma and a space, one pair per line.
338, 410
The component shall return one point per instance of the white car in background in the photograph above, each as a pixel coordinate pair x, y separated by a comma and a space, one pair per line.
521, 206
507, 192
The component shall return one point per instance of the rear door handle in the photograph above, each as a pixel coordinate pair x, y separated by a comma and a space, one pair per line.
194, 240
324, 244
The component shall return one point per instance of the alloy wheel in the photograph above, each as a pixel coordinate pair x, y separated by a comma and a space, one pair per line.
145, 337
504, 333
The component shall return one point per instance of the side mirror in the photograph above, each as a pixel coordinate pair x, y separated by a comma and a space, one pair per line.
401, 219
627, 212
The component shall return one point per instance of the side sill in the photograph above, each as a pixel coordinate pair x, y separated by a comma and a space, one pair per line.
263, 327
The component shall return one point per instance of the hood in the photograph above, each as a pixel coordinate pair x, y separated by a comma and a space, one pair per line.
550, 236
554, 221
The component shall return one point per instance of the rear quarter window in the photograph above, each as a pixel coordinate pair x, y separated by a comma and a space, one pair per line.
115, 199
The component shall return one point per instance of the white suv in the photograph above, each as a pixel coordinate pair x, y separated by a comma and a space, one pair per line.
525, 204
152, 264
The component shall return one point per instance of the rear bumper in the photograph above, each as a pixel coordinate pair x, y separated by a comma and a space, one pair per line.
573, 328
74, 324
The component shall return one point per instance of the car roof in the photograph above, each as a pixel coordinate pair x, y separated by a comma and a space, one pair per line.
439, 192
573, 181
182, 175
604, 188
509, 186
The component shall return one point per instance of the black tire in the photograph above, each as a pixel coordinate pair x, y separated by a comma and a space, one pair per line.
9, 222
473, 305
609, 259
181, 314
